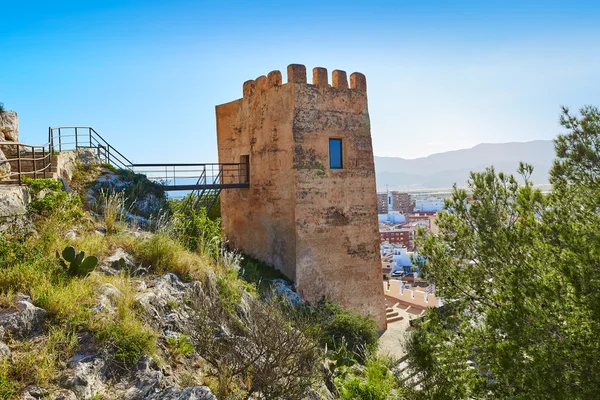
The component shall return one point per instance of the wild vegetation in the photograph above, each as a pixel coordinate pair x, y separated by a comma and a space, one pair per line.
520, 274
308, 347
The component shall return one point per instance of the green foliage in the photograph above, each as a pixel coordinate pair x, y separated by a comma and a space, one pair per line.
342, 328
8, 387
266, 354
130, 340
519, 272
108, 166
2, 108
180, 345
48, 197
374, 381
79, 264
195, 230
259, 274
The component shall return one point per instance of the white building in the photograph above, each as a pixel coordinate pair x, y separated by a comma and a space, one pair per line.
431, 204
392, 217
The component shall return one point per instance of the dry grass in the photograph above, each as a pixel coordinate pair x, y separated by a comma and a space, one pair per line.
113, 208
167, 255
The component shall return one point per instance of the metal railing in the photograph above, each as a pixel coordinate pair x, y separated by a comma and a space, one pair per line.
85, 137
25, 160
196, 176
205, 181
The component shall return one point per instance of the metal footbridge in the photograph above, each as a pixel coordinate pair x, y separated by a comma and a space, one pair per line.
204, 181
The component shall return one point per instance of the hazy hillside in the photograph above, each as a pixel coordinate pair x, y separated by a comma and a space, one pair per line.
444, 169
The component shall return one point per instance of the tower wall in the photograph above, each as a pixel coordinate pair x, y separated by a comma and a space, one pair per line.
317, 225
260, 220
337, 231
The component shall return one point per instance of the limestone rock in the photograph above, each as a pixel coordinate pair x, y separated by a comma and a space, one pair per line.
4, 351
88, 157
89, 372
190, 393
26, 320
165, 302
111, 265
63, 394
107, 298
35, 392
13, 209
9, 126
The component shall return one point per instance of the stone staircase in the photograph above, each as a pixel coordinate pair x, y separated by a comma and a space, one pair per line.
391, 313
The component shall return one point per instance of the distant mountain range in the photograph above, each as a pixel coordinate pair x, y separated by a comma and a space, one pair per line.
442, 170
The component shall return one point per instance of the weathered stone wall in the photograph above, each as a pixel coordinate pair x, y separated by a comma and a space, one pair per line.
317, 225
260, 220
337, 233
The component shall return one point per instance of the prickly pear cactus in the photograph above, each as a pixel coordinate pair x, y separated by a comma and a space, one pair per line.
79, 264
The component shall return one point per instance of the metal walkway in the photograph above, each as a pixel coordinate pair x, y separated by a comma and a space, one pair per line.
204, 181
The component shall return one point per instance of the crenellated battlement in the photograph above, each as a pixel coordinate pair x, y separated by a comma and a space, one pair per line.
296, 74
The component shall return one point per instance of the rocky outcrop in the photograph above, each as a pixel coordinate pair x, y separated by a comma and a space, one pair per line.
9, 132
13, 209
25, 321
67, 161
9, 126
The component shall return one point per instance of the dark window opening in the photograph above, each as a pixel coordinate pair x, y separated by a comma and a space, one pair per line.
335, 154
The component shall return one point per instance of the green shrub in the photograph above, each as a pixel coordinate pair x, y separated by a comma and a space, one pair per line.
373, 382
340, 327
49, 198
129, 338
2, 108
195, 230
180, 345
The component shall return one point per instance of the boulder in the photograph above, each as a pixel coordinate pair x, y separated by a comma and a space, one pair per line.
112, 264
165, 302
63, 394
190, 393
4, 351
88, 375
9, 126
13, 209
25, 321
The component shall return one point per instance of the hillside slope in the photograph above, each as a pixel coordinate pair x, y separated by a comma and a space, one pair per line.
445, 169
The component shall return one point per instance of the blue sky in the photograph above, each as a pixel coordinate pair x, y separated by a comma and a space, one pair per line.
441, 75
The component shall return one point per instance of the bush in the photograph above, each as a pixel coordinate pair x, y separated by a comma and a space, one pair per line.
165, 254
49, 198
195, 230
373, 382
340, 327
129, 338
265, 354
2, 108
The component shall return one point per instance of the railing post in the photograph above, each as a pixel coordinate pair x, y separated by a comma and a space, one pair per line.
59, 141
19, 164
90, 130
44, 158
174, 178
76, 143
34, 163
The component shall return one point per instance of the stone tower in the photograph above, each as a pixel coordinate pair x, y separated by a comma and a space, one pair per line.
311, 209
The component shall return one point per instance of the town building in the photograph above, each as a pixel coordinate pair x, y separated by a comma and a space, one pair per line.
430, 204
311, 208
394, 201
398, 235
